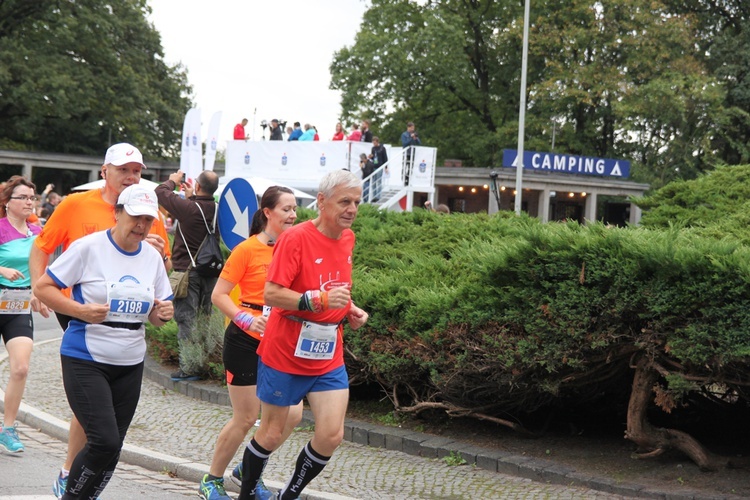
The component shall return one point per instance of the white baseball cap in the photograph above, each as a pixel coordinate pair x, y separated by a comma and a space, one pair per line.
139, 200
123, 153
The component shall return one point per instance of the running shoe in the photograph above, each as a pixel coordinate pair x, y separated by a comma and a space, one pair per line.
58, 488
262, 492
213, 490
181, 376
10, 441
237, 475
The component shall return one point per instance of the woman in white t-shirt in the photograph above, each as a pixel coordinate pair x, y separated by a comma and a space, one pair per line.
117, 284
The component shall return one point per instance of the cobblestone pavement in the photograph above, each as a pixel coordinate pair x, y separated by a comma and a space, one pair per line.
174, 424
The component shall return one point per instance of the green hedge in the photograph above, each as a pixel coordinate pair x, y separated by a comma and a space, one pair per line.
508, 314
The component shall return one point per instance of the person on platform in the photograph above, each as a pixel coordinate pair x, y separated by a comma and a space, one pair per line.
276, 134
302, 354
309, 134
339, 134
409, 139
296, 133
356, 134
366, 134
239, 131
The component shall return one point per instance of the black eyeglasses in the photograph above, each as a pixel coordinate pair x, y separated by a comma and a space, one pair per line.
24, 198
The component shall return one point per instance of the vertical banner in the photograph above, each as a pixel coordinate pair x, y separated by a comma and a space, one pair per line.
195, 147
185, 145
191, 152
212, 141
422, 171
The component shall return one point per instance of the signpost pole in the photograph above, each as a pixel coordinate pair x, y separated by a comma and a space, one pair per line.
522, 110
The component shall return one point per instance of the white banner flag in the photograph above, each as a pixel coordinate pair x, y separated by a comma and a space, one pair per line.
191, 160
212, 141
184, 146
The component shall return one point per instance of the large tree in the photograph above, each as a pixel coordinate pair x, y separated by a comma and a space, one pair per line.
614, 78
723, 39
77, 76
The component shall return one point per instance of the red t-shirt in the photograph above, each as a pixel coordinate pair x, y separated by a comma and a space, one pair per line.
338, 137
305, 259
239, 132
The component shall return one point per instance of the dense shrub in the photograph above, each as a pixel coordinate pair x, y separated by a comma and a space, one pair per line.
504, 314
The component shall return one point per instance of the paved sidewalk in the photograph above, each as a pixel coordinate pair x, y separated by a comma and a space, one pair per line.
183, 429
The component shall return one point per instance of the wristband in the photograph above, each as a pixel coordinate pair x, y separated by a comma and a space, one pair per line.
243, 320
314, 301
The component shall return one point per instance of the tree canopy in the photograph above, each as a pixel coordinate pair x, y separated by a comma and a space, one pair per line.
78, 76
613, 78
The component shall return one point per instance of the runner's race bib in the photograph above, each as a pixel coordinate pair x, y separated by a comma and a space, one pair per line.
316, 341
15, 301
129, 302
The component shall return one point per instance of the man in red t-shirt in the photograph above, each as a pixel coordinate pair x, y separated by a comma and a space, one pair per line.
239, 131
302, 355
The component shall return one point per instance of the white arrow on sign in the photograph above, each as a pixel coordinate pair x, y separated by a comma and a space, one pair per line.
241, 220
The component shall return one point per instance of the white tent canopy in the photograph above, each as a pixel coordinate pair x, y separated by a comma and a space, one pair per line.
260, 184
100, 184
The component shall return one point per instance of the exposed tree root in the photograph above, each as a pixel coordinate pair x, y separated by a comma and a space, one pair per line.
658, 440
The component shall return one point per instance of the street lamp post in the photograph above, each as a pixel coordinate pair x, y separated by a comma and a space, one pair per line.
522, 110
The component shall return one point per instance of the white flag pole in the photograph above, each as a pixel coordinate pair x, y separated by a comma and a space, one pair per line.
522, 110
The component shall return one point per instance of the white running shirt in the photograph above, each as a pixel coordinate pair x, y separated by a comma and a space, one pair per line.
100, 272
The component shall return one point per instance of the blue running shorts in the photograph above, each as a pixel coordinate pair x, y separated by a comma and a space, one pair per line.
284, 389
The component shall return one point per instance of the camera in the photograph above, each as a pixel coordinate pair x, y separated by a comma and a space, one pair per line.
493, 175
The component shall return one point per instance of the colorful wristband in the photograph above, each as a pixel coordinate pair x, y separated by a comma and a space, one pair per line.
314, 301
243, 320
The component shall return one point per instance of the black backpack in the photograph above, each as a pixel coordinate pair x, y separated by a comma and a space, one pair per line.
209, 260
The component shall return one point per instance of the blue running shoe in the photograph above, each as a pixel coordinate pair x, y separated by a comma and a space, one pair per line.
237, 475
213, 490
10, 441
58, 488
262, 492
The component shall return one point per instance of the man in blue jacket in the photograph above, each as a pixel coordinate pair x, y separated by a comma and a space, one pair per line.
409, 138
296, 133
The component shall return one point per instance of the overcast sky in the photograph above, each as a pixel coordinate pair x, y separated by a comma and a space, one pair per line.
259, 59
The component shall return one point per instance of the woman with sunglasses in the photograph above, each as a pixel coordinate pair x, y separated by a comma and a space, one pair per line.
17, 202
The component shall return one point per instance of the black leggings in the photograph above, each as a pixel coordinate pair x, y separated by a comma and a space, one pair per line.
103, 398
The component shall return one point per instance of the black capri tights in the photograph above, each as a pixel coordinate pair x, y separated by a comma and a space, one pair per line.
103, 398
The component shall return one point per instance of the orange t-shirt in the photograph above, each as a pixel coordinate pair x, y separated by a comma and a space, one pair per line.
247, 267
81, 214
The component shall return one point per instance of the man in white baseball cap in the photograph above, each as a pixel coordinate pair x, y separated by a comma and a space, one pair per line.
139, 200
122, 154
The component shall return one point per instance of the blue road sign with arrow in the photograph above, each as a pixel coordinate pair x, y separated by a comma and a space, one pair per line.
237, 205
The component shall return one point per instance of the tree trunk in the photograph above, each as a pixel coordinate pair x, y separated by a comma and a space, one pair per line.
658, 440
